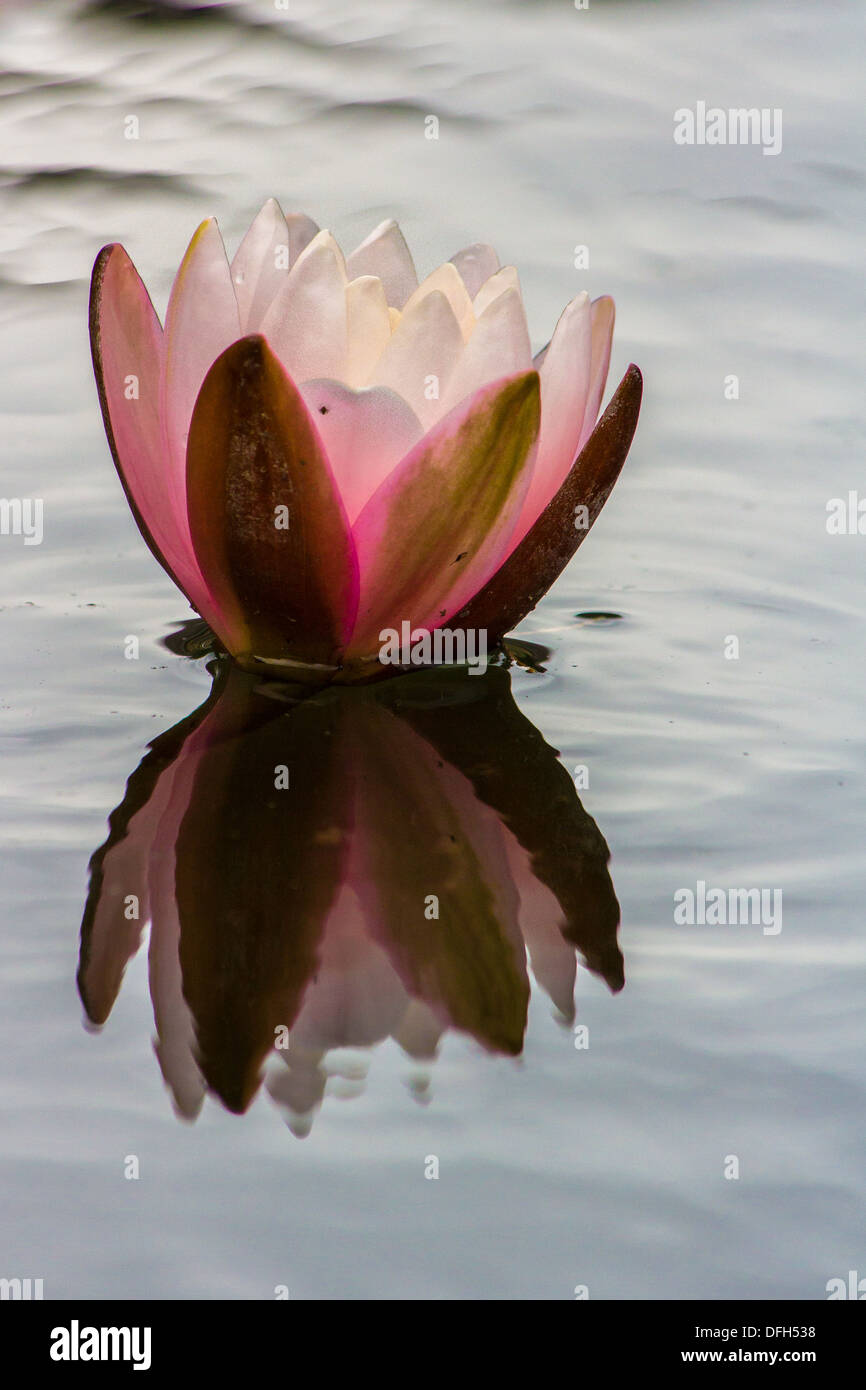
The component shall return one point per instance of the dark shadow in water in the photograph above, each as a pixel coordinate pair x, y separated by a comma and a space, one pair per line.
327, 870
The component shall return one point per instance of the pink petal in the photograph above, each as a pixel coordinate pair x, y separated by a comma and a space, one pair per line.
128, 347
385, 253
530, 568
444, 516
365, 433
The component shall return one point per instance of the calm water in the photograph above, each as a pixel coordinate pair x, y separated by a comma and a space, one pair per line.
601, 1165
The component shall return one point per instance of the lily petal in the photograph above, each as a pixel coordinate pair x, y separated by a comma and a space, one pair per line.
496, 284
499, 347
533, 564
365, 433
302, 230
603, 315
254, 451
385, 253
260, 265
127, 345
306, 323
200, 322
476, 263
264, 258
446, 279
421, 356
444, 516
565, 377
369, 328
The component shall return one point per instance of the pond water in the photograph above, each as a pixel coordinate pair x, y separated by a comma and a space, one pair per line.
696, 1133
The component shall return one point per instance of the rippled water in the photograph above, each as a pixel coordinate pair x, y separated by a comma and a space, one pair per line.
604, 1165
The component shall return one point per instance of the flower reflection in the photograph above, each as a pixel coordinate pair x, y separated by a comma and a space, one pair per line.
327, 870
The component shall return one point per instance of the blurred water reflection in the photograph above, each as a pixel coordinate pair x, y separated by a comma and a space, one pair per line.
326, 870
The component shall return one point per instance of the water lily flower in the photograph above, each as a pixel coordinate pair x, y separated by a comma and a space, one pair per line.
423, 842
317, 447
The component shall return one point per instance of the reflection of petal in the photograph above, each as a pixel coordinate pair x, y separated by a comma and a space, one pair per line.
175, 1031
228, 718
516, 773
419, 1031
119, 869
292, 850
356, 998
467, 963
550, 955
298, 1088
257, 870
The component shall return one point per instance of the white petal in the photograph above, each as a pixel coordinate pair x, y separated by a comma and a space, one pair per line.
422, 354
504, 279
385, 253
446, 279
260, 264
302, 230
201, 322
498, 347
369, 327
476, 264
306, 324
603, 315
565, 375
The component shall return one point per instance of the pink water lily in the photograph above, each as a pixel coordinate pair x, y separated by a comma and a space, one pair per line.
317, 447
